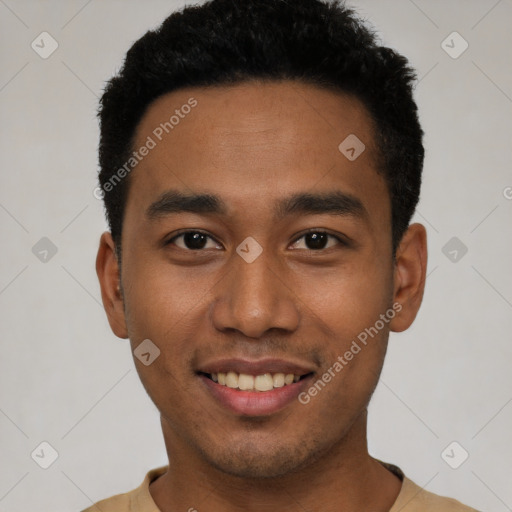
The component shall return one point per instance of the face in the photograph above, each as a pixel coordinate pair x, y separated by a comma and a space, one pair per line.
253, 245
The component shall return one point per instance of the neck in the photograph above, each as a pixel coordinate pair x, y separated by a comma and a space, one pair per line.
345, 479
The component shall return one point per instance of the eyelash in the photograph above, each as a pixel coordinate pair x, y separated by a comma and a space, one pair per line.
340, 241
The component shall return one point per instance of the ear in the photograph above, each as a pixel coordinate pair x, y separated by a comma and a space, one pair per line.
409, 276
107, 269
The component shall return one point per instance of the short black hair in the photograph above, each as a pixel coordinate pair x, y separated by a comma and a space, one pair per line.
226, 42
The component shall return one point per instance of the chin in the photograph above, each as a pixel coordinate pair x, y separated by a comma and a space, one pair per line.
252, 461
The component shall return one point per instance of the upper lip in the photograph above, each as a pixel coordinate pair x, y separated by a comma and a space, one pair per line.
258, 367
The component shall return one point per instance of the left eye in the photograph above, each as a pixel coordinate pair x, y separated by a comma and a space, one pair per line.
318, 240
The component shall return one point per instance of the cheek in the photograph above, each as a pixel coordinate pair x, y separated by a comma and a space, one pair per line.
160, 307
348, 299
160, 300
349, 314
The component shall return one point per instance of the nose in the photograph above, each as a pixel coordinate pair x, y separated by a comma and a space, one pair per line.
254, 298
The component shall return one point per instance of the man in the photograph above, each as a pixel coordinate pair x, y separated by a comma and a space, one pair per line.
260, 164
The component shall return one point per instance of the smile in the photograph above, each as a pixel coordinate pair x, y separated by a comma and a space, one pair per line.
257, 383
254, 395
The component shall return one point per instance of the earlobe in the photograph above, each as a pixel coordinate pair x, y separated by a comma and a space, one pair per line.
107, 269
409, 276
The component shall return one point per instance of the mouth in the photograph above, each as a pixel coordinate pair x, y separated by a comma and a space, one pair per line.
254, 388
255, 383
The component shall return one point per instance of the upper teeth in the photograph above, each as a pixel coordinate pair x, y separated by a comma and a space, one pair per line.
246, 382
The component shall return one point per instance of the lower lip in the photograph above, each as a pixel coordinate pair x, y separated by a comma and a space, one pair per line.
255, 403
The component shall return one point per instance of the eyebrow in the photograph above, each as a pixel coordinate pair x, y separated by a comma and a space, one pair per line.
333, 203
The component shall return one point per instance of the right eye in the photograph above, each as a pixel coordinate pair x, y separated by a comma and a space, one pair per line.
191, 240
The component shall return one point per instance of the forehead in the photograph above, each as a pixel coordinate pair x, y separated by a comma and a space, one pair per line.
254, 142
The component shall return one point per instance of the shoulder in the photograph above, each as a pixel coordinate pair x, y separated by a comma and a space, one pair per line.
139, 499
118, 503
413, 498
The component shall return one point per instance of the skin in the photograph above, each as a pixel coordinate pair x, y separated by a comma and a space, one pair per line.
253, 144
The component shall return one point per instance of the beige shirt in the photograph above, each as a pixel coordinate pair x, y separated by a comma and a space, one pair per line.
412, 498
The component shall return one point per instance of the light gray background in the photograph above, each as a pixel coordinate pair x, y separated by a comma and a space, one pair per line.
66, 379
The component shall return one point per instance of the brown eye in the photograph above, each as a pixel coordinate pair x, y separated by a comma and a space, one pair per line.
318, 240
191, 240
